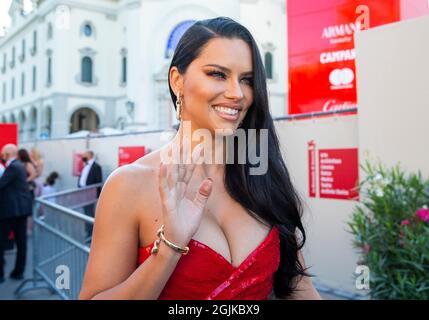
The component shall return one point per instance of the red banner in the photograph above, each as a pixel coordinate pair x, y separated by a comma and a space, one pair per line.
312, 187
321, 54
127, 155
77, 164
8, 134
338, 173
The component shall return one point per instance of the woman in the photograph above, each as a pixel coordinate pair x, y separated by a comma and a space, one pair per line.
49, 185
24, 157
229, 234
49, 189
39, 165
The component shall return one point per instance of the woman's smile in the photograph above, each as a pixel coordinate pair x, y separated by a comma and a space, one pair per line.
227, 112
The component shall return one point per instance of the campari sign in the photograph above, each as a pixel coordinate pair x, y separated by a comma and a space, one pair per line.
321, 53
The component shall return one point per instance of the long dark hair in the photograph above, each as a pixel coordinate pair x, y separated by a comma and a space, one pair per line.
24, 156
270, 197
50, 180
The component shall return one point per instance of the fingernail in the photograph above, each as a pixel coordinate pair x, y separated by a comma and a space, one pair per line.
206, 187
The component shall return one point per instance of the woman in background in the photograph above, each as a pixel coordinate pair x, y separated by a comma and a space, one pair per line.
24, 157
39, 165
48, 186
49, 189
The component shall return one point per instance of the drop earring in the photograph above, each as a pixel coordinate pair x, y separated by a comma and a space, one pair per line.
178, 107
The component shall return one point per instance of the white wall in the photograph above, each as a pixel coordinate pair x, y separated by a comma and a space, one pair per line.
328, 249
393, 93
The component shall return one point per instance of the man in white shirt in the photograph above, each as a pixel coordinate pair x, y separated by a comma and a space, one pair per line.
84, 175
91, 173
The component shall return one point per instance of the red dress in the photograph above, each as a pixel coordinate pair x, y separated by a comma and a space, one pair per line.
204, 274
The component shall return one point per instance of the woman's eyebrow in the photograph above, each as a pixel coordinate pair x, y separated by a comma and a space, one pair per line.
225, 69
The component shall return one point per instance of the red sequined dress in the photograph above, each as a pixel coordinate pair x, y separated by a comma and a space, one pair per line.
204, 274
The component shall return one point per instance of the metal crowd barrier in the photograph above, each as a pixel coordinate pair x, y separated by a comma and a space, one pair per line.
61, 241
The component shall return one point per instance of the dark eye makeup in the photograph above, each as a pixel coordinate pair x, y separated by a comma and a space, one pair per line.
217, 74
222, 75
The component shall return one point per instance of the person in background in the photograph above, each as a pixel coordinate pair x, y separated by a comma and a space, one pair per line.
2, 168
91, 174
30, 168
15, 207
24, 157
38, 162
48, 187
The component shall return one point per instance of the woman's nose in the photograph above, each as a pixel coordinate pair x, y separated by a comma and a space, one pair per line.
233, 91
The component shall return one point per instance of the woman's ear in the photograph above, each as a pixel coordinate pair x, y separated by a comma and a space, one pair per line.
176, 80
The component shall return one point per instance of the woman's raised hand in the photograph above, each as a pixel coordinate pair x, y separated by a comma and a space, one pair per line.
181, 215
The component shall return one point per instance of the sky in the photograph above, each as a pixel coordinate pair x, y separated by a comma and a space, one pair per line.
4, 17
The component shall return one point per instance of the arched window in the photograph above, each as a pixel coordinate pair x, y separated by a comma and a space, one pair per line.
268, 59
49, 70
87, 30
49, 66
12, 95
124, 70
86, 71
175, 36
22, 122
50, 31
47, 123
22, 83
124, 61
4, 92
84, 119
33, 123
34, 78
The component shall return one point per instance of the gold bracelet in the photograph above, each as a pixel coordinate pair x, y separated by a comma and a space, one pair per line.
160, 234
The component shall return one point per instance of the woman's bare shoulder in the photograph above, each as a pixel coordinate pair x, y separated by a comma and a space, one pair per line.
133, 184
141, 173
